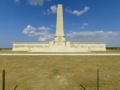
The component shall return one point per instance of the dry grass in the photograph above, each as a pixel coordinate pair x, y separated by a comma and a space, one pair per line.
110, 51
10, 51
60, 72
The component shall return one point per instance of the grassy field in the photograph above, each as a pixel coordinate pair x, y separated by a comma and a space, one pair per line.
60, 72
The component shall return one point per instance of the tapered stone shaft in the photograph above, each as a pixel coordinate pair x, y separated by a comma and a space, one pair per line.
59, 35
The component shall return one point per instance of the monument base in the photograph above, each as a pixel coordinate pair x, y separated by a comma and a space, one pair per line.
60, 50
53, 47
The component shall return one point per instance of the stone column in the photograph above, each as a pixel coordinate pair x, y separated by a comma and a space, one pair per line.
59, 38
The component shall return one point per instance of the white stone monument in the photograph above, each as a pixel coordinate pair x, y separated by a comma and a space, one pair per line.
59, 39
59, 44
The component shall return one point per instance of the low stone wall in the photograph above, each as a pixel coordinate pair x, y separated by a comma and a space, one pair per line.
29, 46
91, 46
51, 47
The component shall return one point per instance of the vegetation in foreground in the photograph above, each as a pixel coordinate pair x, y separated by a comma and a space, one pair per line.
60, 72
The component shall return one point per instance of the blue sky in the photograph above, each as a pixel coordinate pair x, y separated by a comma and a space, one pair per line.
35, 20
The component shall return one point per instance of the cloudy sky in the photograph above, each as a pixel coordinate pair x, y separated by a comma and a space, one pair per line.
35, 20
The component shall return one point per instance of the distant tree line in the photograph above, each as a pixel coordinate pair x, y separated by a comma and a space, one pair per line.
5, 48
113, 47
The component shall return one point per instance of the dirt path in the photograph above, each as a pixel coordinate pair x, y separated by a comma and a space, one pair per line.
90, 54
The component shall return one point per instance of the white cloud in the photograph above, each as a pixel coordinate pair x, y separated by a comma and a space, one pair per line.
52, 9
36, 2
44, 28
29, 29
52, 25
76, 12
85, 24
91, 35
45, 35
48, 11
82, 27
17, 1
69, 11
42, 33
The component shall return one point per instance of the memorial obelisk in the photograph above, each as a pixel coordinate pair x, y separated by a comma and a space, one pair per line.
59, 38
